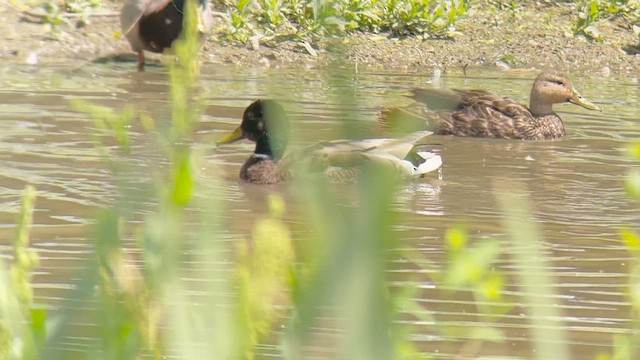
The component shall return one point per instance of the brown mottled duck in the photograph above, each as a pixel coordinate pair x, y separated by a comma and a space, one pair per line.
153, 25
479, 113
266, 123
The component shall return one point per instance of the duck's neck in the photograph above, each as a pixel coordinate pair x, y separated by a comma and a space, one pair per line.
264, 148
539, 108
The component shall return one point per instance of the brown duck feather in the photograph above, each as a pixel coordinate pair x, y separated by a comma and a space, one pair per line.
262, 171
479, 113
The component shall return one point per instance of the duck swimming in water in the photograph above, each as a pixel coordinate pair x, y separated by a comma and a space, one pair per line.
479, 113
154, 25
265, 122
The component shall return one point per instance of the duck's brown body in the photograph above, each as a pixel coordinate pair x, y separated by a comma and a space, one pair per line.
263, 170
479, 113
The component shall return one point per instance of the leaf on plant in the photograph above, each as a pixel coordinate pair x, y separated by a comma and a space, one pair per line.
183, 181
492, 287
593, 32
624, 347
456, 238
603, 357
309, 48
473, 264
631, 239
634, 150
39, 324
508, 58
632, 184
420, 312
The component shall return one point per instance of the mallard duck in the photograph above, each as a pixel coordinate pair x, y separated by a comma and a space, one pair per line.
153, 25
479, 113
265, 122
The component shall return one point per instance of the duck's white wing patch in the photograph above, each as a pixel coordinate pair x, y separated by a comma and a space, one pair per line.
431, 162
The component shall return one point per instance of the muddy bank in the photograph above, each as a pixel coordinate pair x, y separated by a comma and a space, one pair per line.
535, 36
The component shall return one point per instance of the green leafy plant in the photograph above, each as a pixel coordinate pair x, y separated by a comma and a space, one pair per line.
56, 14
535, 280
591, 11
264, 270
625, 347
422, 17
53, 18
470, 270
510, 5
83, 7
311, 20
22, 326
132, 302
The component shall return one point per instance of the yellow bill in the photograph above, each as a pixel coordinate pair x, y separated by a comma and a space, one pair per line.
579, 100
233, 137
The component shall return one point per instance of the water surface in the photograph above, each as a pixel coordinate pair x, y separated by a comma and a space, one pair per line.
575, 184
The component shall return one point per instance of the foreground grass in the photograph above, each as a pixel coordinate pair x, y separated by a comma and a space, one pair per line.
274, 283
277, 290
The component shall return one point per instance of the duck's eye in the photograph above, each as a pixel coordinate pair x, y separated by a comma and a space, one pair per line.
558, 82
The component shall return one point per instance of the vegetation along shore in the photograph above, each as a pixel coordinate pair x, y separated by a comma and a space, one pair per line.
595, 37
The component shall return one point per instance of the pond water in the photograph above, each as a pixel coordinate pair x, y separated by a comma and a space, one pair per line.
575, 184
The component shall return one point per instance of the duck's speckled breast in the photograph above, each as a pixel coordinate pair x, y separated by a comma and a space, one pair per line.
262, 170
545, 128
